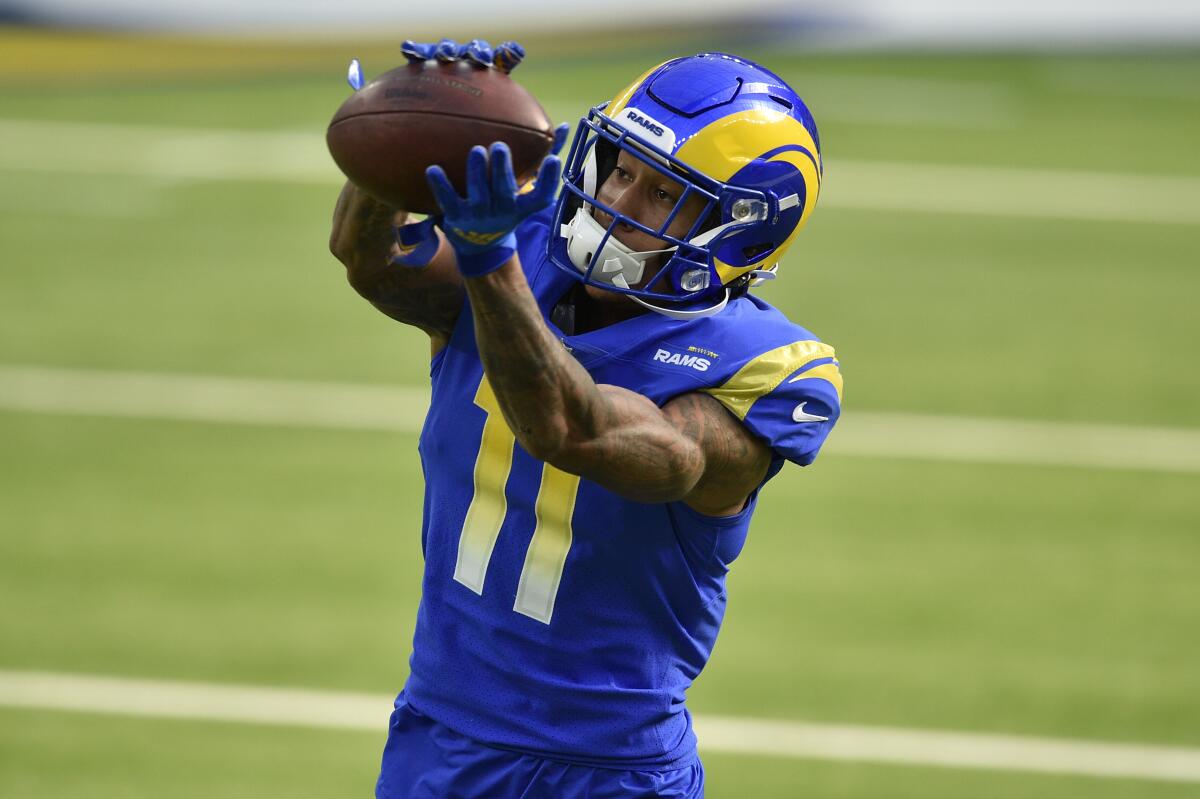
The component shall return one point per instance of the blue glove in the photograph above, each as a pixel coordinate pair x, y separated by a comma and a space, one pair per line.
560, 138
477, 51
507, 56
480, 227
417, 244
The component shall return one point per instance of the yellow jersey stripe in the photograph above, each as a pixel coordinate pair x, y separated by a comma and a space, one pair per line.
763, 374
828, 372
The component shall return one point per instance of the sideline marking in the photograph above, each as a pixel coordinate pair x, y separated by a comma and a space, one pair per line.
763, 737
196, 154
400, 409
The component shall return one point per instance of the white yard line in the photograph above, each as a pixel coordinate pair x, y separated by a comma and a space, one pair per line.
1015, 192
763, 737
183, 154
230, 400
402, 409
165, 153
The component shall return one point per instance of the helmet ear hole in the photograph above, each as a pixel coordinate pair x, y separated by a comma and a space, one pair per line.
752, 252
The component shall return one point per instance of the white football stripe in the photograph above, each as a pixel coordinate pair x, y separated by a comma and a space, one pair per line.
402, 409
761, 737
183, 154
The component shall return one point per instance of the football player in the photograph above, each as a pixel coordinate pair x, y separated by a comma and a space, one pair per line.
609, 398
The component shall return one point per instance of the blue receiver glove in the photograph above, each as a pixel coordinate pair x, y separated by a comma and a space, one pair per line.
507, 56
480, 226
418, 243
477, 51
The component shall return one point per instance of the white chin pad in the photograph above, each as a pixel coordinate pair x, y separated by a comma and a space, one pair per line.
617, 265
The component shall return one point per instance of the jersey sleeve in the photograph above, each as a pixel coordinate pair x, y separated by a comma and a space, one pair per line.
790, 397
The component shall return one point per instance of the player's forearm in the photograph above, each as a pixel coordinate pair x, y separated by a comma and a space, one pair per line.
546, 396
362, 239
362, 228
557, 411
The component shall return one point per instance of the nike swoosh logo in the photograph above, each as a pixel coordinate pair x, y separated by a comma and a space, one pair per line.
799, 415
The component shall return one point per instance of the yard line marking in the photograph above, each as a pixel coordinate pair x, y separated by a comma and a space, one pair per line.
983, 440
1017, 192
193, 700
192, 154
401, 409
762, 737
165, 153
951, 749
233, 400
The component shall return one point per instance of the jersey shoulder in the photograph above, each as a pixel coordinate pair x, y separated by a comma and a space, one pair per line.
532, 239
776, 377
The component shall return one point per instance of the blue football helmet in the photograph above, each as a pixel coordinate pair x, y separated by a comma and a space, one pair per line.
731, 133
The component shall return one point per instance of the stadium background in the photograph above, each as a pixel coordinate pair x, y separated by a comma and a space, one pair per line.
208, 471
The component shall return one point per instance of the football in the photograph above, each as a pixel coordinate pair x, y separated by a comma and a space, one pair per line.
386, 134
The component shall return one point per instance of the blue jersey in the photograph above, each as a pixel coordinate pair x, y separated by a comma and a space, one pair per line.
558, 618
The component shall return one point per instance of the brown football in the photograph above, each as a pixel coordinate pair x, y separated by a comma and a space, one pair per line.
386, 134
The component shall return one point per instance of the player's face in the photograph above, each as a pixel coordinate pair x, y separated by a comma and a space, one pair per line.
641, 192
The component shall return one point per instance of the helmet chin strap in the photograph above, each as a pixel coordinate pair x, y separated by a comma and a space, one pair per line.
617, 263
679, 313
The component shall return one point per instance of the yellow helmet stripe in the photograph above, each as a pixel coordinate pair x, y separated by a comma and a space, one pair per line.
723, 147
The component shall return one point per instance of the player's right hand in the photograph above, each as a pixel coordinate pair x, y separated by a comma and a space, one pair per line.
416, 243
504, 57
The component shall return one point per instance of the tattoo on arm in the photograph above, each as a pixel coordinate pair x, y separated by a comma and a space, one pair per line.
607, 434
430, 298
736, 460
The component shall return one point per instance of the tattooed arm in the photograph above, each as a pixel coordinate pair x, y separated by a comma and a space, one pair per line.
429, 298
691, 449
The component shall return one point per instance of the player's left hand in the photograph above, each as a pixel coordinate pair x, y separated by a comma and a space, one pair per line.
417, 242
480, 226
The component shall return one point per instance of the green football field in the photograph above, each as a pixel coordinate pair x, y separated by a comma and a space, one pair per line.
165, 211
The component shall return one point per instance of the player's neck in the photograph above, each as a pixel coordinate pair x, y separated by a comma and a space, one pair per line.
593, 315
579, 313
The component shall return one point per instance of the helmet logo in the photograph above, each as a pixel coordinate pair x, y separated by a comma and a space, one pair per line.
657, 130
650, 129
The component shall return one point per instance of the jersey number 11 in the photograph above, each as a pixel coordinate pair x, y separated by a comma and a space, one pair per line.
553, 508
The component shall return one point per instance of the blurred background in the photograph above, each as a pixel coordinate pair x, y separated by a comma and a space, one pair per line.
209, 485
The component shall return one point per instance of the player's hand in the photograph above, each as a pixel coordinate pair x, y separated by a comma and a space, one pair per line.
560, 138
504, 58
480, 226
416, 243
